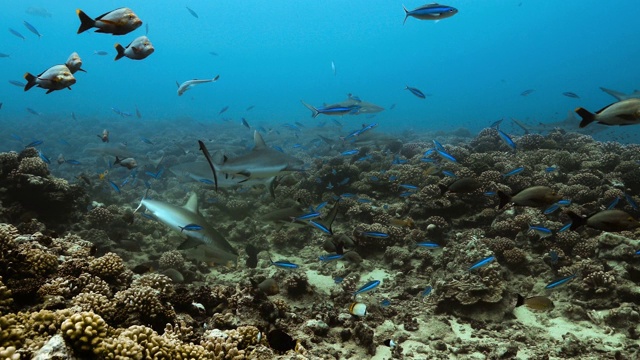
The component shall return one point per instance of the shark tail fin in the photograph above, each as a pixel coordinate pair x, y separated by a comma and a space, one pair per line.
406, 14
140, 205
314, 111
587, 116
120, 51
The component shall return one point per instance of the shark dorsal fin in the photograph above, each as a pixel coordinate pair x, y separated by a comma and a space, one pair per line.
192, 203
259, 141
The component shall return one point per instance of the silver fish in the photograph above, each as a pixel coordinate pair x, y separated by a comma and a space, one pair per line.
624, 112
56, 77
138, 49
191, 83
117, 22
74, 63
32, 28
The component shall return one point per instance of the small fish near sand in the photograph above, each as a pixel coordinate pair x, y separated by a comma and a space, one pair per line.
189, 84
56, 77
541, 303
116, 22
138, 49
430, 12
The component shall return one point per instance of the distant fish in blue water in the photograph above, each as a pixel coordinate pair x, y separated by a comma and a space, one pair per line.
43, 157
496, 124
145, 140
17, 34
565, 227
31, 111
114, 186
335, 109
415, 91
250, 107
445, 155
482, 262
223, 109
34, 143
559, 282
32, 28
330, 257
191, 83
571, 94
245, 123
550, 169
100, 52
551, 209
350, 152
527, 92
140, 48
17, 83
430, 12
193, 13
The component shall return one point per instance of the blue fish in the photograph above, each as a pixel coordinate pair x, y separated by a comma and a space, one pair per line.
513, 172
631, 202
64, 142
490, 193
332, 109
385, 302
34, 143
190, 227
427, 160
344, 181
638, 252
207, 181
321, 205
553, 257
426, 291
44, 157
550, 169
496, 124
16, 137
17, 34
73, 162
337, 279
406, 194
374, 234
564, 202
374, 178
321, 227
308, 216
415, 92
551, 209
245, 123
147, 184
329, 186
31, 28
565, 227
437, 146
559, 282
125, 182
145, 140
449, 174
542, 231
408, 187
276, 147
114, 186
365, 158
445, 155
507, 140
393, 178
284, 264
427, 244
482, 262
348, 195
330, 257
430, 12
398, 161
614, 203
367, 287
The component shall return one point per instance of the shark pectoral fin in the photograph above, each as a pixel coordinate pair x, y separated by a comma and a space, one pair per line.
189, 243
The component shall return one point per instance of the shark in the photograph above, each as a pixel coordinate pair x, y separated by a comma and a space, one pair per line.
205, 238
570, 123
352, 106
260, 163
620, 95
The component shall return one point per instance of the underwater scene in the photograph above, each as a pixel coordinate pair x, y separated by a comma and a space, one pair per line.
319, 180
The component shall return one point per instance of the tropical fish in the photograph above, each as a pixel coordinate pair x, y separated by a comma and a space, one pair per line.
138, 49
358, 309
191, 83
330, 257
367, 287
482, 262
44, 157
114, 186
191, 227
245, 123
224, 109
430, 12
445, 155
535, 196
427, 291
350, 152
105, 136
193, 13
32, 28
284, 264
333, 68
129, 163
631, 202
117, 22
415, 91
551, 209
374, 234
613, 203
571, 94
542, 231
34, 143
559, 282
17, 83
527, 92
332, 109
428, 245
33, 112
100, 52
507, 140
56, 77
17, 34
624, 112
208, 241
535, 302
496, 124
513, 172
460, 186
605, 220
74, 63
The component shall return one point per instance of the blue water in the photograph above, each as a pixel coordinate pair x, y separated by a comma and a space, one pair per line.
274, 54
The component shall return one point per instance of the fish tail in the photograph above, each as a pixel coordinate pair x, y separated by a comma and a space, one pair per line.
443, 189
406, 14
587, 116
504, 199
520, 300
86, 22
314, 111
31, 81
120, 51
118, 161
576, 220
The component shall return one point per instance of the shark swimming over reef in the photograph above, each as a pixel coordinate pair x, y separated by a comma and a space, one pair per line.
352, 106
204, 238
261, 162
570, 123
620, 95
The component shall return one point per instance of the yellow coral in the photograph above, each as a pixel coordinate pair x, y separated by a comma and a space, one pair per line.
85, 331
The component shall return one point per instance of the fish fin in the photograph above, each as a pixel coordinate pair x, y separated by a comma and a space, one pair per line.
49, 91
86, 22
189, 243
314, 111
83, 70
616, 94
118, 161
192, 203
576, 220
504, 199
205, 151
215, 78
587, 116
443, 189
272, 183
31, 81
520, 300
120, 51
406, 14
259, 141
